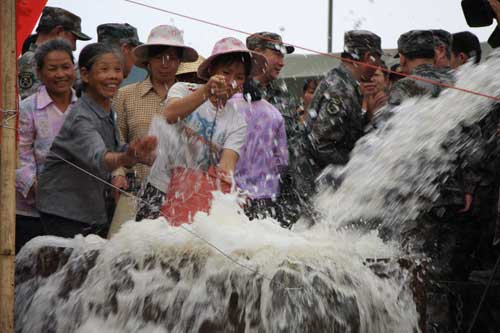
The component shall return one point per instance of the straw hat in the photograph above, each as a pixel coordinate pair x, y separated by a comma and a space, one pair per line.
190, 67
164, 35
232, 45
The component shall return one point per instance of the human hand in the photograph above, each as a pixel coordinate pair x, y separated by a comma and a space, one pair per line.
120, 182
219, 90
142, 150
376, 102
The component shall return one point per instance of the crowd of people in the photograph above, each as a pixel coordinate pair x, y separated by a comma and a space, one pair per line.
232, 116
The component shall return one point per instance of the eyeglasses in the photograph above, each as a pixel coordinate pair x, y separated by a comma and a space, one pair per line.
165, 58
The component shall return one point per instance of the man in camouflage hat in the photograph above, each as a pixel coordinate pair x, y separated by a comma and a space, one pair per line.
447, 231
442, 51
336, 119
269, 87
54, 23
267, 84
124, 37
416, 51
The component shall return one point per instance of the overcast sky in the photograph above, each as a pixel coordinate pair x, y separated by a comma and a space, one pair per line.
302, 23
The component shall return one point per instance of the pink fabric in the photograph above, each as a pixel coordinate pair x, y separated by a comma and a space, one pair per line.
232, 45
169, 36
39, 123
229, 44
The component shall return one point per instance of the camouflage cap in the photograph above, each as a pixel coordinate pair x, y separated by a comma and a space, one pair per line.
268, 40
117, 33
361, 41
441, 37
54, 16
416, 41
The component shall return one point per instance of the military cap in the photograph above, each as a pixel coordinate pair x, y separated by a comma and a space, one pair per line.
117, 33
268, 40
416, 41
54, 16
361, 41
441, 37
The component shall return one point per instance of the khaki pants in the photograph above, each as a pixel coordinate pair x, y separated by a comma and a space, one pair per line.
125, 211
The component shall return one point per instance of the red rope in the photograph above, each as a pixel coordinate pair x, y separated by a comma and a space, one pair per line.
418, 78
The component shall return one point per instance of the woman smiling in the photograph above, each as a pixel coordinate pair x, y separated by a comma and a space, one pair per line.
73, 191
40, 118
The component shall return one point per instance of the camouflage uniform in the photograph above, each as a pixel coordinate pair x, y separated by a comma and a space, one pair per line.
410, 87
27, 79
443, 234
338, 121
413, 43
51, 18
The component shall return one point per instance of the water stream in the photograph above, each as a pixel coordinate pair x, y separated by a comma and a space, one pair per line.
152, 277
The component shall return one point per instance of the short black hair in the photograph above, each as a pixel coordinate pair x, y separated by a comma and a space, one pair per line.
423, 54
230, 58
467, 43
50, 46
310, 83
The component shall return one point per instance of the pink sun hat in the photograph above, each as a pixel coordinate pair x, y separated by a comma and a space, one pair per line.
232, 45
164, 35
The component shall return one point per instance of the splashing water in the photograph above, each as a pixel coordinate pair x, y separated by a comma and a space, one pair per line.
394, 171
152, 277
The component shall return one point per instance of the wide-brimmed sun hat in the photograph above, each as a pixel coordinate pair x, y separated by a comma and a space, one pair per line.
164, 35
232, 45
190, 67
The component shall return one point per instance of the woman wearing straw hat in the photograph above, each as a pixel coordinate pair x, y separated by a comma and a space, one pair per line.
207, 115
188, 72
138, 103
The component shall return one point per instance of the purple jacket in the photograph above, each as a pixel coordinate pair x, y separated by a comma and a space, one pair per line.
264, 155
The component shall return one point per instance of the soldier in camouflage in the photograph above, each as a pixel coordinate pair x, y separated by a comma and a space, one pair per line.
447, 233
124, 37
416, 50
54, 23
268, 85
338, 121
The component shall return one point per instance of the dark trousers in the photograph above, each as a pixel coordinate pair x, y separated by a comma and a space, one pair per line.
487, 212
261, 208
62, 227
27, 228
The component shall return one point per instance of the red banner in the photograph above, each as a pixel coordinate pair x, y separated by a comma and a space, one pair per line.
27, 14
